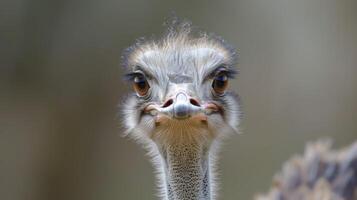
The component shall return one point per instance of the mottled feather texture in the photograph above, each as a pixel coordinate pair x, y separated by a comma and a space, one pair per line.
320, 174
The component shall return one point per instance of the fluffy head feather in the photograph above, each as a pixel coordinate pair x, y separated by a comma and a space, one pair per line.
182, 58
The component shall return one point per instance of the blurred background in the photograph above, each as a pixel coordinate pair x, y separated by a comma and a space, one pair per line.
60, 86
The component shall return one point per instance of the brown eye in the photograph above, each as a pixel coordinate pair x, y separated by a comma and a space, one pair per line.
220, 83
141, 86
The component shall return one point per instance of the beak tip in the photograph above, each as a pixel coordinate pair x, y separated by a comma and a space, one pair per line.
181, 111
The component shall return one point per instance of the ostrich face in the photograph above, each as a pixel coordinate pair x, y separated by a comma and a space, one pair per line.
180, 89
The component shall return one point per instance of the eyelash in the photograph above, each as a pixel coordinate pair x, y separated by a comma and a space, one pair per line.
230, 73
131, 76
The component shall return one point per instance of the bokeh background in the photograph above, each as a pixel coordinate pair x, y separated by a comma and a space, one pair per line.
60, 86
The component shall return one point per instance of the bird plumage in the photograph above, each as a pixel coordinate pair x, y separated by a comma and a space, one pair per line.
319, 174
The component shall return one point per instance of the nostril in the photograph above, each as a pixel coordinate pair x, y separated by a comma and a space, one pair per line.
194, 102
168, 103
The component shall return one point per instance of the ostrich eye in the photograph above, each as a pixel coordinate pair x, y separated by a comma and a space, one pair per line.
220, 83
141, 85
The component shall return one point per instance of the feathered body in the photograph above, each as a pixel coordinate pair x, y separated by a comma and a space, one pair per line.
320, 174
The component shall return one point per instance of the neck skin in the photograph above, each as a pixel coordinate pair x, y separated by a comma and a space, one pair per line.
186, 171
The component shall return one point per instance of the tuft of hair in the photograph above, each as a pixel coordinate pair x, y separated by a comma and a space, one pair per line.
320, 174
176, 27
178, 33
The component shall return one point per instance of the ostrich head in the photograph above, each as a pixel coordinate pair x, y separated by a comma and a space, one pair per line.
181, 106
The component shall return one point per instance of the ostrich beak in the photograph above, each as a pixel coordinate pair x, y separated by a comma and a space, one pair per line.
182, 107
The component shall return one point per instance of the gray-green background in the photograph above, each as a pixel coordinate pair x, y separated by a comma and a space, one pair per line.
60, 84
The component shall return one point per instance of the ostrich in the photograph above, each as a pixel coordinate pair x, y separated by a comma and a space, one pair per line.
181, 108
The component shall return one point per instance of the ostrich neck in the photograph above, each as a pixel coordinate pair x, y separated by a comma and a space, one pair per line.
187, 171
